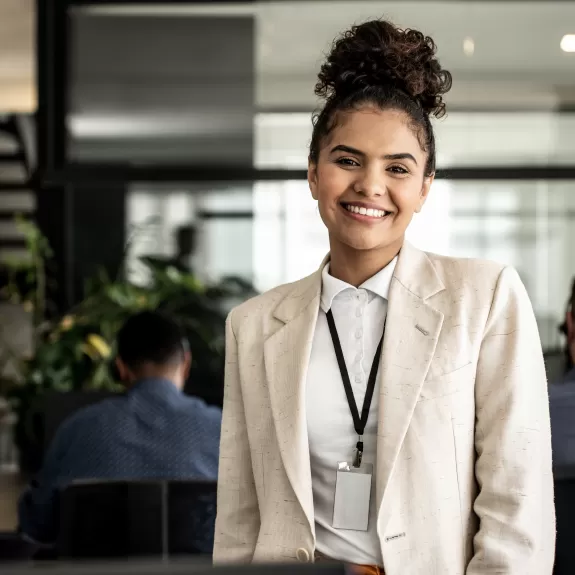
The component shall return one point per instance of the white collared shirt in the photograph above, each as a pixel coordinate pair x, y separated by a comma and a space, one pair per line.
359, 315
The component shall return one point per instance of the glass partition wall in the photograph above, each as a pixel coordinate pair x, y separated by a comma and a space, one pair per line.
271, 232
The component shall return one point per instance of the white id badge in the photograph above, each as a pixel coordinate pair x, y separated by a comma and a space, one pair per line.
352, 495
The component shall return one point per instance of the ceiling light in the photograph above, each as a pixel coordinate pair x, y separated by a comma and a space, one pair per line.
568, 43
469, 46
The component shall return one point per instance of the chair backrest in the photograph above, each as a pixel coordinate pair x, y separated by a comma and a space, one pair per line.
107, 519
565, 512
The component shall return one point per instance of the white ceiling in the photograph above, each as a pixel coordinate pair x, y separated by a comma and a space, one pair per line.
517, 59
510, 37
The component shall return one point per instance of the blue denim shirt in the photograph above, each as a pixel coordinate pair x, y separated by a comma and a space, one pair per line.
152, 432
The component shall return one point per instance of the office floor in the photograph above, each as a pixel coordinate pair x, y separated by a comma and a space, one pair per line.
11, 485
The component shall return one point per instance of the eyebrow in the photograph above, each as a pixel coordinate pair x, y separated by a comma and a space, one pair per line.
350, 150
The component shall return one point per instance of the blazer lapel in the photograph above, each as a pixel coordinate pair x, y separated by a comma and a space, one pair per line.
287, 354
412, 331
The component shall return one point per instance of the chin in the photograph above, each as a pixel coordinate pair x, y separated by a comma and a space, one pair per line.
364, 246
367, 244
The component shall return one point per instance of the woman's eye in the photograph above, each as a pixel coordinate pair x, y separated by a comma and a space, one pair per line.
398, 170
347, 162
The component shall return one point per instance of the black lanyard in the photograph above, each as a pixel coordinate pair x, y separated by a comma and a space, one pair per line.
359, 423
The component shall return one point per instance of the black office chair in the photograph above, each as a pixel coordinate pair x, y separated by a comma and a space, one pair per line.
565, 512
111, 519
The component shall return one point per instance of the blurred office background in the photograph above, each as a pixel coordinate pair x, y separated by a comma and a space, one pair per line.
232, 86
127, 126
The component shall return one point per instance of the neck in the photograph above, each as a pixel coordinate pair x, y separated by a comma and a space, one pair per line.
356, 266
156, 374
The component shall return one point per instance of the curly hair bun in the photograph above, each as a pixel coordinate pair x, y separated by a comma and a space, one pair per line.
377, 53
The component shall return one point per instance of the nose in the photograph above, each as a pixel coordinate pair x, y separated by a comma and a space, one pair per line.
370, 183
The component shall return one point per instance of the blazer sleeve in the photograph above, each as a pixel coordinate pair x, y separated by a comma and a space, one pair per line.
513, 441
238, 519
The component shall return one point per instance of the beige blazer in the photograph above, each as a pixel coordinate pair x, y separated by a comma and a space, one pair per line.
464, 482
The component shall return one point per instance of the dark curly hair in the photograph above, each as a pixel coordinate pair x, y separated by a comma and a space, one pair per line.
378, 63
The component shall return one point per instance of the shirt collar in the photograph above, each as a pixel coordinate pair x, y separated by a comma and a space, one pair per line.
378, 284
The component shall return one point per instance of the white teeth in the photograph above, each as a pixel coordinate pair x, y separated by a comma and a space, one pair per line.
370, 212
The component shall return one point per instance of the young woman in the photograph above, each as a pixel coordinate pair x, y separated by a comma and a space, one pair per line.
390, 410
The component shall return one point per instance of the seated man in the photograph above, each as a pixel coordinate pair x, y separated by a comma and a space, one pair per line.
153, 431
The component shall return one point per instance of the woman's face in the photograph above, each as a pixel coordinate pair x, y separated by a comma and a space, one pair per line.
369, 179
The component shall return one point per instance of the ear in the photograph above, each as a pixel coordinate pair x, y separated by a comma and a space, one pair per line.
312, 178
123, 370
426, 186
187, 364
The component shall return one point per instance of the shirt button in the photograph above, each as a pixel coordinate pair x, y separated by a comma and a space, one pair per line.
358, 334
358, 357
302, 555
358, 379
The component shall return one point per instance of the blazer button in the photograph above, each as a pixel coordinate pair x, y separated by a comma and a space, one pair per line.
302, 555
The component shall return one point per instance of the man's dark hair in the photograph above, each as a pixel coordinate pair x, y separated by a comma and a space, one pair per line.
151, 337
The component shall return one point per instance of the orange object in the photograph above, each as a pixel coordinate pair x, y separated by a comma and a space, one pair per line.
367, 570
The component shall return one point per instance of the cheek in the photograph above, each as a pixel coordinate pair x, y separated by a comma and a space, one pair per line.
332, 183
405, 196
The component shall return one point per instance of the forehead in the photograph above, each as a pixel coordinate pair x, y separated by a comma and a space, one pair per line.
375, 132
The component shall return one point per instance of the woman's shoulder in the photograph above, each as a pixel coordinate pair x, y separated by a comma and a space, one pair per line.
460, 266
480, 275
266, 303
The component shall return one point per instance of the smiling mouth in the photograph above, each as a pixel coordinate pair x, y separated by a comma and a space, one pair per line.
367, 212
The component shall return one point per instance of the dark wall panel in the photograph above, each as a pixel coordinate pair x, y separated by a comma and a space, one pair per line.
86, 230
161, 89
97, 233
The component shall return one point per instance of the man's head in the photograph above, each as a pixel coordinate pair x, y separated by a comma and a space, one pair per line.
151, 345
